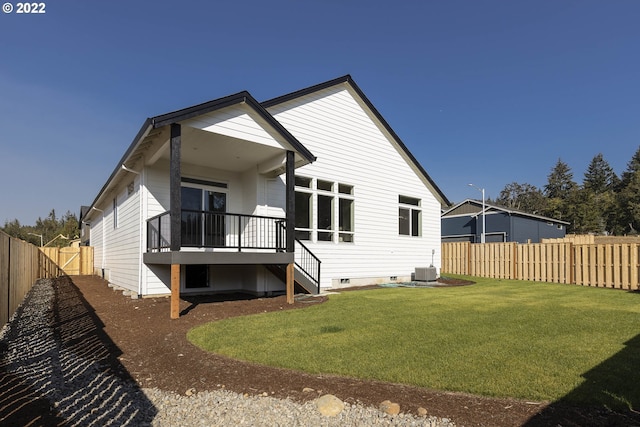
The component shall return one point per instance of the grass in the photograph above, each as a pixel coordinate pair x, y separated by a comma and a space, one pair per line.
503, 338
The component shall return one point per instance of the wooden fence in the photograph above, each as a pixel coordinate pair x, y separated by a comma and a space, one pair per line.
21, 263
73, 261
576, 239
601, 265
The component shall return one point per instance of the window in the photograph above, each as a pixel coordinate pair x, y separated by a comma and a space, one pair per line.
115, 212
203, 217
409, 216
325, 218
325, 185
345, 215
302, 181
324, 211
303, 216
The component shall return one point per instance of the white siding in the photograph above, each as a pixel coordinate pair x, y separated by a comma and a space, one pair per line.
117, 248
352, 148
157, 279
238, 122
96, 240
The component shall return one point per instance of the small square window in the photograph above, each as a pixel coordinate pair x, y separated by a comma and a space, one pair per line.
345, 189
302, 181
325, 185
405, 200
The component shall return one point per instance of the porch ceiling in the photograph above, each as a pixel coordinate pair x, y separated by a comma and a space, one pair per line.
204, 148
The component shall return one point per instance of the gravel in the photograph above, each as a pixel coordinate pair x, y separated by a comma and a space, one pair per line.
57, 365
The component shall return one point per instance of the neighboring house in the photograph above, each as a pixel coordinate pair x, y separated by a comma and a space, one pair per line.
463, 223
230, 194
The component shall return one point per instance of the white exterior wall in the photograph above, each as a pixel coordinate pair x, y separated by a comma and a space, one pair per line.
156, 280
352, 149
117, 248
97, 241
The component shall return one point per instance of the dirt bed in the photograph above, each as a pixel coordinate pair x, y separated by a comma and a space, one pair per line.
155, 352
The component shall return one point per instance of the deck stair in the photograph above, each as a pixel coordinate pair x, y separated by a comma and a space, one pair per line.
306, 272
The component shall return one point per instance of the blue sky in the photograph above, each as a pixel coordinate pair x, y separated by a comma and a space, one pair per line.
483, 92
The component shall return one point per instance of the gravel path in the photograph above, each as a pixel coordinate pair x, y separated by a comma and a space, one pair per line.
58, 366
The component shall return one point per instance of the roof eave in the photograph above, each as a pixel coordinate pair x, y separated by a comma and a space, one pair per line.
144, 129
197, 110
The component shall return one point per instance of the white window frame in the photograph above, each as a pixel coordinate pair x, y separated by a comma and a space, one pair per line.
314, 191
115, 212
414, 209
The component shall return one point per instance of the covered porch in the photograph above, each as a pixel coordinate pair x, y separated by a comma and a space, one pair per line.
218, 206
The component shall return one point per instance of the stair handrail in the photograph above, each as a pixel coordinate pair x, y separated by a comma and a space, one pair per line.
313, 259
304, 269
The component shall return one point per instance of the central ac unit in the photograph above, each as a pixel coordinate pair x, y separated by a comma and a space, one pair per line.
426, 274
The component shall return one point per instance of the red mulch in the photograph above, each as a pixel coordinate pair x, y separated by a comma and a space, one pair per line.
155, 352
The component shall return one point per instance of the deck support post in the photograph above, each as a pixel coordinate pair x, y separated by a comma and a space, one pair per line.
290, 273
290, 221
175, 291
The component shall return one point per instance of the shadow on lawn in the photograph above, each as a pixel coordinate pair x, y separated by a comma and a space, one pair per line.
609, 395
59, 367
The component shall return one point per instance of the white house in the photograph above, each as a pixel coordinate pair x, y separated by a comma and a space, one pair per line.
312, 188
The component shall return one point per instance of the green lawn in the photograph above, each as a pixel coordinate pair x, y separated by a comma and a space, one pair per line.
505, 338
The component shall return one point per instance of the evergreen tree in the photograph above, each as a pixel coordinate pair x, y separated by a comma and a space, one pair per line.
50, 228
601, 182
559, 189
560, 181
582, 212
628, 198
600, 177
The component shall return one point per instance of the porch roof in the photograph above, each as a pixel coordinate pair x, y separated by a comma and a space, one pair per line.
152, 127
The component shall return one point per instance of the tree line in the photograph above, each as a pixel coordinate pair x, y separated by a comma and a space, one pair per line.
604, 203
50, 231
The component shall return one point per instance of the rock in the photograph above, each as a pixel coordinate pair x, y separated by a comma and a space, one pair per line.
308, 390
422, 412
390, 408
329, 405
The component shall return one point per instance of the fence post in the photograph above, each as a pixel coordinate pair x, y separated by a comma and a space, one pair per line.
572, 264
514, 260
634, 267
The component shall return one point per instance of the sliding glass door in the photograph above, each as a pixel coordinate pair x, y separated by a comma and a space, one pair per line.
203, 217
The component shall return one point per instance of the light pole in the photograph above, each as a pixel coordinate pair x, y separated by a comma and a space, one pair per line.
38, 235
484, 224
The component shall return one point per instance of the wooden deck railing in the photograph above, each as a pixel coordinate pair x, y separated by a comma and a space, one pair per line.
601, 265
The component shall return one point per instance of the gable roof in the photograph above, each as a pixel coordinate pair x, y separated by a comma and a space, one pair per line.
162, 120
347, 79
494, 208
